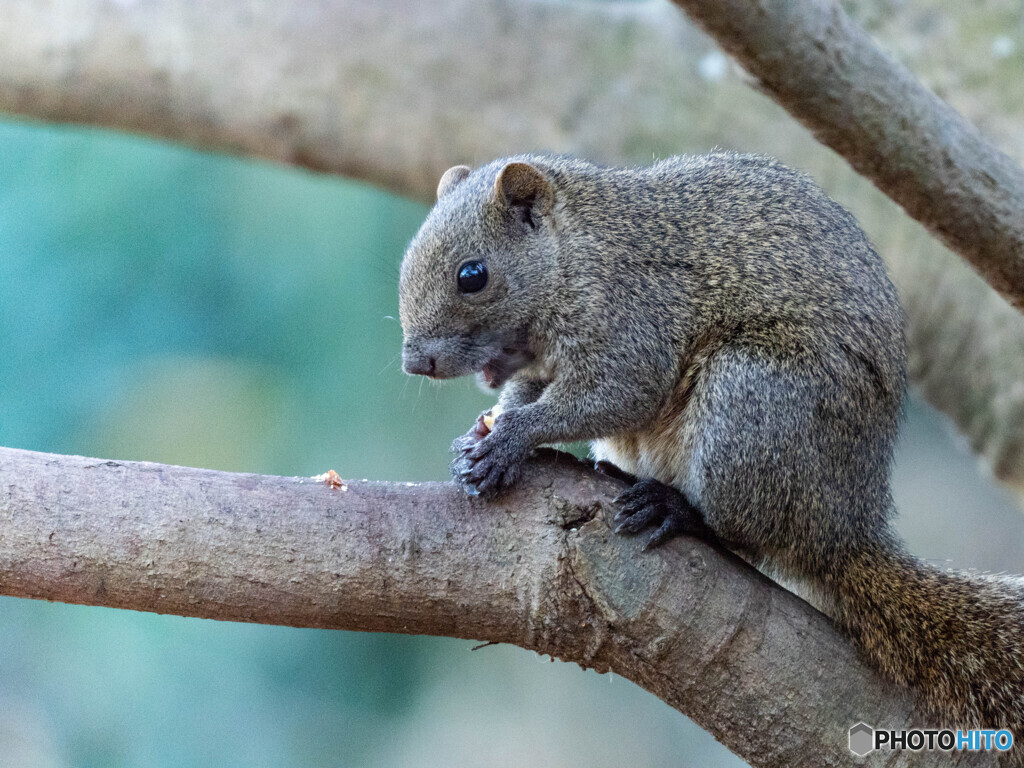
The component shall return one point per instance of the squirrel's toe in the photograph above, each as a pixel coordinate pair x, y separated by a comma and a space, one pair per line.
650, 503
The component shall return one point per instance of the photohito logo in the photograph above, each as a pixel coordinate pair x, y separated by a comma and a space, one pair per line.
864, 739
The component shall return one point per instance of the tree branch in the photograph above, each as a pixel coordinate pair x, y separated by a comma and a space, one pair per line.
757, 667
828, 73
340, 86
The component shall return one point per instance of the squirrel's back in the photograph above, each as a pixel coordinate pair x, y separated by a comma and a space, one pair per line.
708, 242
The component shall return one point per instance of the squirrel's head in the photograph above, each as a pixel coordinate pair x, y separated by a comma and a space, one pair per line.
475, 277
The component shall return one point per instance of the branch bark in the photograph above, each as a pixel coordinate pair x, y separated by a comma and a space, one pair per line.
757, 667
341, 87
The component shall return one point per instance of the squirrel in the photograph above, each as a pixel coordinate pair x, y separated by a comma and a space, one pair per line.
720, 328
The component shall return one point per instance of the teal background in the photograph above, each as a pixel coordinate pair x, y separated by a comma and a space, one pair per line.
161, 304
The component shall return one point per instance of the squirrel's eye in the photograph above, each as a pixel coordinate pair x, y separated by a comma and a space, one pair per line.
472, 276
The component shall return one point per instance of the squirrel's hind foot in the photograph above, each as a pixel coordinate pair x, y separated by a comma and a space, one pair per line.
651, 503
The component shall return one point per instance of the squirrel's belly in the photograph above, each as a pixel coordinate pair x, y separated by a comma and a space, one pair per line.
663, 453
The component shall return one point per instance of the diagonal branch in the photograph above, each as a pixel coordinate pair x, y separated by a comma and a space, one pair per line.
763, 671
828, 73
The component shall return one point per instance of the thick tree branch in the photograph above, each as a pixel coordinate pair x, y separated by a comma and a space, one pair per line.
828, 73
394, 92
750, 662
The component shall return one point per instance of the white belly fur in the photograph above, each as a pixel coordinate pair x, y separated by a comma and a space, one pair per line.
665, 453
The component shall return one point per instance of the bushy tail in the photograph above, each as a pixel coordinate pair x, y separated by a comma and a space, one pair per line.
957, 638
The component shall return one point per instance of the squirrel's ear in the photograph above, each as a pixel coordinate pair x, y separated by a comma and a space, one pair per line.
523, 187
451, 179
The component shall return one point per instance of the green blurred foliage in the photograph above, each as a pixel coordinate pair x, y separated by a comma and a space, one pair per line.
176, 307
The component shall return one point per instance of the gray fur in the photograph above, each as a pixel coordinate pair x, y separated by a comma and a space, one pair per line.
715, 323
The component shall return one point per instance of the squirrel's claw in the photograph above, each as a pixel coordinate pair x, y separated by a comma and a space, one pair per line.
637, 514
476, 434
464, 444
485, 467
673, 525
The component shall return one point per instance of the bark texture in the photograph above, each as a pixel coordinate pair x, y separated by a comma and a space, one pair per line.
757, 667
394, 92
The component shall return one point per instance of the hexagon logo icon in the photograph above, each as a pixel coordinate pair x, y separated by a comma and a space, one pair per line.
862, 739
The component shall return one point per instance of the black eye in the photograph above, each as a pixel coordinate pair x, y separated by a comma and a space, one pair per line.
472, 276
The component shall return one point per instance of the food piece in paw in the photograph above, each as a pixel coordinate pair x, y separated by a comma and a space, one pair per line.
490, 416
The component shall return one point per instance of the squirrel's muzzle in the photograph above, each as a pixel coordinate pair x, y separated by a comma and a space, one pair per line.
437, 358
454, 356
417, 362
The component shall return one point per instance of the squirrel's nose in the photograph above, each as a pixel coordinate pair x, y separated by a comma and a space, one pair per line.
419, 364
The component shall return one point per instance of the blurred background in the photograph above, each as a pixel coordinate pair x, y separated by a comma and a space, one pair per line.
171, 306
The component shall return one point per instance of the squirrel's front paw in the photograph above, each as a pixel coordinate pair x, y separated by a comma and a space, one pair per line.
487, 466
477, 432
